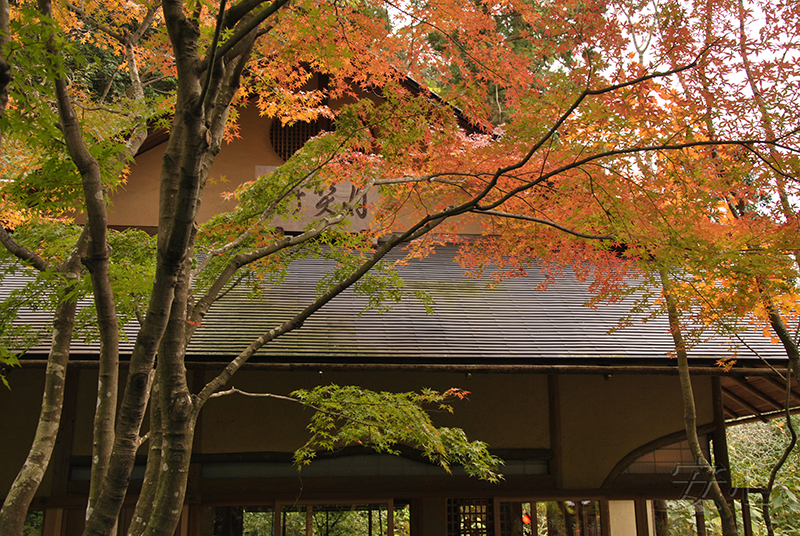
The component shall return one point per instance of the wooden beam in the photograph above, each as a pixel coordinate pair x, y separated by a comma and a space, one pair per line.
654, 370
641, 450
731, 414
745, 403
780, 384
768, 416
758, 394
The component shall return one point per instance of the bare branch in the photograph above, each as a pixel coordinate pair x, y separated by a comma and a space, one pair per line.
235, 391
425, 225
543, 222
622, 152
21, 252
95, 23
247, 258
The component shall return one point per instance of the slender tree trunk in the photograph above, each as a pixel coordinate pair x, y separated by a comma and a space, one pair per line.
97, 261
5, 68
178, 417
15, 507
729, 527
144, 505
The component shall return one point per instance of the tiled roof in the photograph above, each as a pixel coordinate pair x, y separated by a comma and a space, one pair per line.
512, 323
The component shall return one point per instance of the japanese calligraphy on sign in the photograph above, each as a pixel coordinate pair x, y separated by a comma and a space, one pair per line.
314, 204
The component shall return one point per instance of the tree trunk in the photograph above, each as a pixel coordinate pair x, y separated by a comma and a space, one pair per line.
97, 261
144, 504
5, 68
15, 507
178, 417
729, 527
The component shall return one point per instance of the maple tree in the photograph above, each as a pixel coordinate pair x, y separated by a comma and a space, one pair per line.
605, 159
714, 226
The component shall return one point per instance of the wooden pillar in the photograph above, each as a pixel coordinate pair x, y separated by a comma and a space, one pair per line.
54, 522
496, 516
721, 460
554, 411
661, 518
642, 517
417, 517
277, 521
747, 521
605, 517
183, 523
390, 518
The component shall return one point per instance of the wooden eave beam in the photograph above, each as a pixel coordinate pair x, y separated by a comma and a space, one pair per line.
756, 393
782, 386
775, 415
744, 403
654, 370
732, 414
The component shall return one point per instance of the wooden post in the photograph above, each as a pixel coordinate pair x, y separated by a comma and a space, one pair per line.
496, 516
554, 411
277, 521
721, 460
642, 517
54, 521
390, 518
746, 519
605, 517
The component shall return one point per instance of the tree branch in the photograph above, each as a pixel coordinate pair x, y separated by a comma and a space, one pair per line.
245, 28
423, 226
235, 391
543, 222
95, 23
21, 252
622, 152
247, 258
212, 52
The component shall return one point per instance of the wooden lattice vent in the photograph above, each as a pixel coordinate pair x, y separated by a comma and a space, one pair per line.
287, 140
470, 517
